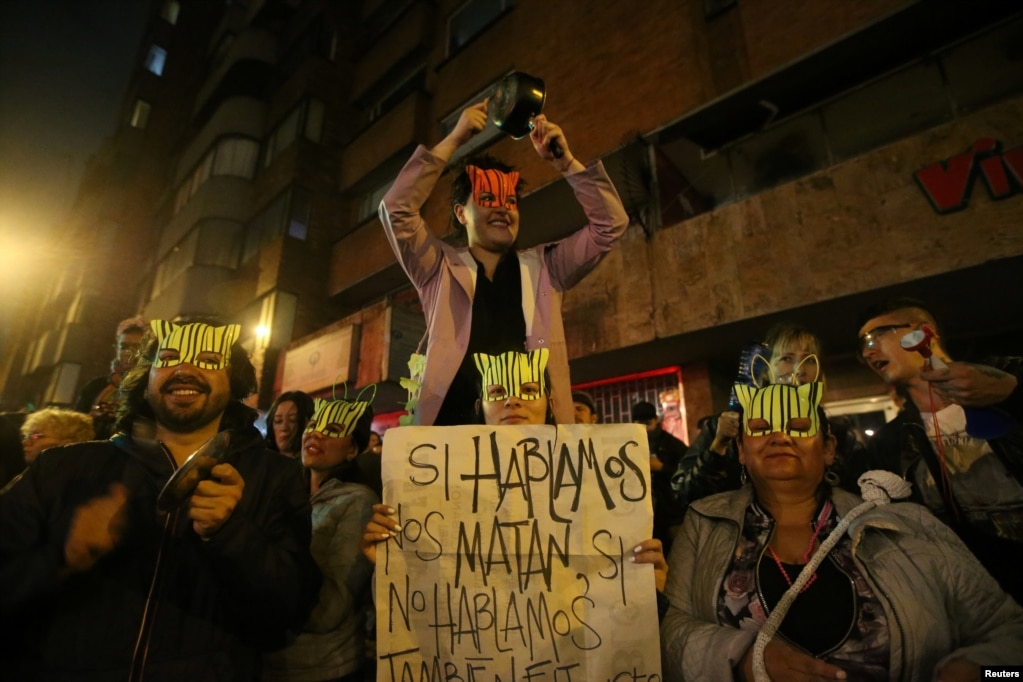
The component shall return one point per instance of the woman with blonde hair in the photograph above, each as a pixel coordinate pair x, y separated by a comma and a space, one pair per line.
52, 426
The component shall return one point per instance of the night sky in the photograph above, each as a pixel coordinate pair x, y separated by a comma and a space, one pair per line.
64, 65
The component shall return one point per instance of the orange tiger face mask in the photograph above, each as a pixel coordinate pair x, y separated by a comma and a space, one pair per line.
492, 188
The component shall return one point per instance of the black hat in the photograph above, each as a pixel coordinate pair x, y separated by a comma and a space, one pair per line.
643, 412
586, 399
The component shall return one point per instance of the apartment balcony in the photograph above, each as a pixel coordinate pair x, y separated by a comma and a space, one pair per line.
200, 288
242, 71
59, 345
269, 12
235, 116
393, 134
74, 343
223, 197
390, 58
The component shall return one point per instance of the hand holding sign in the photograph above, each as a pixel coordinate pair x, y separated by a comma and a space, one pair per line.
516, 550
381, 528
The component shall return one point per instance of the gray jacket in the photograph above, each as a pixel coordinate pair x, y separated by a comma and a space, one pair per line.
940, 602
332, 643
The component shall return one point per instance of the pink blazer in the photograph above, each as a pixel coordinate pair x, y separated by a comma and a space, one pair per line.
445, 276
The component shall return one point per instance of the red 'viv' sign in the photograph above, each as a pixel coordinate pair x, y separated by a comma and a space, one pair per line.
948, 184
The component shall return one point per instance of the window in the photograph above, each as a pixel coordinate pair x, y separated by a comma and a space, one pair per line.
481, 139
181, 197
864, 415
892, 107
288, 213
281, 138
156, 59
313, 128
384, 16
222, 49
140, 114
319, 39
1001, 75
176, 262
236, 156
371, 202
473, 18
914, 99
169, 12
415, 80
335, 39
212, 242
219, 243
306, 120
74, 311
230, 156
298, 216
712, 8
615, 397
786, 151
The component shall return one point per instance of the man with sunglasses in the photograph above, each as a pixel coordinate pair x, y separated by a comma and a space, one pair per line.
98, 398
959, 439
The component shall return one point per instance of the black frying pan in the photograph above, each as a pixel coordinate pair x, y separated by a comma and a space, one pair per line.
519, 99
196, 468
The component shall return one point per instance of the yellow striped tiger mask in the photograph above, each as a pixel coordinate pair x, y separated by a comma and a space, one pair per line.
513, 374
780, 407
340, 418
200, 344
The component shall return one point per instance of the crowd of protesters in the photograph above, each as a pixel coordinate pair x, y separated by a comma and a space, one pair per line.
157, 534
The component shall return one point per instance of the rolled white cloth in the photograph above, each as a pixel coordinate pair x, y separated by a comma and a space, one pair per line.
881, 487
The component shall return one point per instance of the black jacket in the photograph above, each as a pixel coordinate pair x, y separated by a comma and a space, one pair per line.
902, 444
670, 451
163, 605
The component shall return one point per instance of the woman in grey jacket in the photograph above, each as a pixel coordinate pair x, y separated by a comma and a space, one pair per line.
898, 598
331, 645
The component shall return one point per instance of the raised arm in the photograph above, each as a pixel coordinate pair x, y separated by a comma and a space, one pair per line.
572, 258
415, 246
710, 465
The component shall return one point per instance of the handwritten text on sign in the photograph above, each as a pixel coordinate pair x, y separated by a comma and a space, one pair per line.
513, 559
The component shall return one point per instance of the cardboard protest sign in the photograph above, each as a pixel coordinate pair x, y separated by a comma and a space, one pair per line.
513, 558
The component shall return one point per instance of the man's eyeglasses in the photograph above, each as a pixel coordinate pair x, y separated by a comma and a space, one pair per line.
34, 436
127, 349
870, 340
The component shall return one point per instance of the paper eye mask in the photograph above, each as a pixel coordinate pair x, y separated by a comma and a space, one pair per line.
192, 340
519, 374
495, 183
336, 418
762, 372
790, 409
